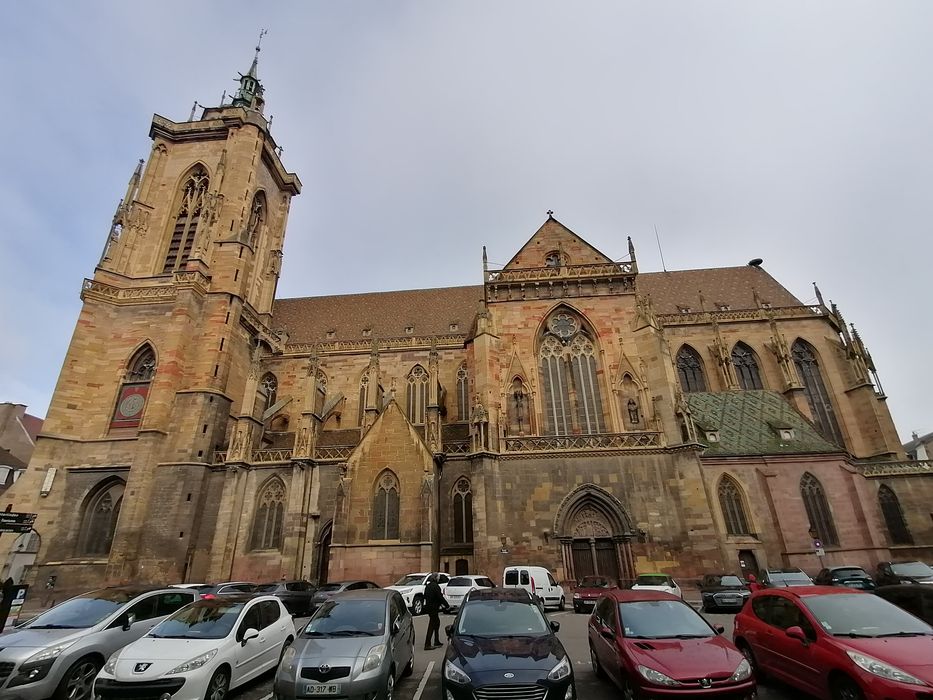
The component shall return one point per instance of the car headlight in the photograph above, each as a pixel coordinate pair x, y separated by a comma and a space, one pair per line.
374, 657
576, 595
48, 653
194, 663
455, 674
743, 672
289, 656
880, 668
37, 666
112, 662
560, 671
649, 674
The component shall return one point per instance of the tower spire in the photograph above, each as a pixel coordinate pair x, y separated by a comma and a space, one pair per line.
250, 93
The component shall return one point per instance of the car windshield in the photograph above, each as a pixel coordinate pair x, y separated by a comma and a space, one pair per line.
348, 618
595, 582
206, 619
912, 568
789, 578
845, 574
410, 580
460, 581
725, 581
502, 618
266, 588
330, 587
864, 615
86, 611
653, 580
662, 619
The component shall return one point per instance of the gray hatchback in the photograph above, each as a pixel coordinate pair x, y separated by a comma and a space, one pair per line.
358, 644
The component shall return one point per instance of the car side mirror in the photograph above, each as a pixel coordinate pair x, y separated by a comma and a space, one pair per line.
607, 632
719, 629
796, 632
251, 633
448, 630
128, 622
555, 626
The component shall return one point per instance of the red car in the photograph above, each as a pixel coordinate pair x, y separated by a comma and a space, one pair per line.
837, 643
654, 644
588, 591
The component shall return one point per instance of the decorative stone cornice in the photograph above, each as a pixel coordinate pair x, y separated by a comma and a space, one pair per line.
566, 281
342, 347
94, 290
876, 470
696, 318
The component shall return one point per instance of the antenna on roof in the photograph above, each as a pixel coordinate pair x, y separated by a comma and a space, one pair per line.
661, 252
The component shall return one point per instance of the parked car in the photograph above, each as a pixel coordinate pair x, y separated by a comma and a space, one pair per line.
502, 646
202, 651
61, 651
657, 582
588, 591
917, 600
891, 573
357, 644
411, 586
295, 595
723, 592
329, 590
847, 576
782, 578
838, 643
537, 581
651, 643
459, 586
229, 588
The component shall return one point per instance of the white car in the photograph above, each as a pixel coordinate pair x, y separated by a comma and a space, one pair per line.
459, 586
657, 582
538, 581
201, 651
411, 586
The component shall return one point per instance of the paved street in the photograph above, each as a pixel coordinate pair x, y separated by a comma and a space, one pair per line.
427, 675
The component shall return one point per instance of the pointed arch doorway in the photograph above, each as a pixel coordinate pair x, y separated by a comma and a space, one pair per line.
595, 532
323, 552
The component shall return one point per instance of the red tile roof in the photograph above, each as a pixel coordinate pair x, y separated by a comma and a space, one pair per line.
32, 425
732, 286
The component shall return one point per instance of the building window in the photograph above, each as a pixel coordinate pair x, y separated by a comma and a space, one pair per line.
134, 392
463, 511
385, 508
569, 377
519, 408
270, 514
821, 407
257, 217
746, 367
463, 393
894, 516
99, 521
690, 370
417, 394
187, 216
821, 518
552, 259
733, 509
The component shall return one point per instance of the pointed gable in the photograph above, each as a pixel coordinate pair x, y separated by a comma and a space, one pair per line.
554, 236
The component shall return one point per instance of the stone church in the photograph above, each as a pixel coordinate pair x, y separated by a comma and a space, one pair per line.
570, 411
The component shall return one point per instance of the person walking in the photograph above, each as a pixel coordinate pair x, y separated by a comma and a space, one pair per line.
434, 602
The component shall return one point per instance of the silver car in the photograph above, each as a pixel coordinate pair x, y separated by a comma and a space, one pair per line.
61, 651
358, 644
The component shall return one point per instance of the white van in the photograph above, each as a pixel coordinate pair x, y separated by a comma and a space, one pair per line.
538, 581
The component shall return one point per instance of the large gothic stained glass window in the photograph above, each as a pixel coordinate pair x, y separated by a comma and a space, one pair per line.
463, 511
190, 204
746, 367
99, 521
417, 394
385, 507
270, 514
690, 370
733, 509
569, 377
894, 516
821, 517
821, 406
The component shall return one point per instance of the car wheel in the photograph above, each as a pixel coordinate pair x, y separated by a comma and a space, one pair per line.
78, 681
218, 686
594, 662
629, 691
390, 686
844, 688
417, 605
562, 604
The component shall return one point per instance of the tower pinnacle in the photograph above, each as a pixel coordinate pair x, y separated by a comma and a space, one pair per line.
250, 94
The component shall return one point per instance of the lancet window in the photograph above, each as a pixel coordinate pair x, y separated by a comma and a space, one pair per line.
268, 391
690, 370
746, 367
821, 406
99, 519
821, 517
733, 508
463, 511
187, 217
894, 516
385, 507
463, 393
269, 517
417, 394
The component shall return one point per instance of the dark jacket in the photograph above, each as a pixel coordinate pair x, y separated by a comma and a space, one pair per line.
433, 598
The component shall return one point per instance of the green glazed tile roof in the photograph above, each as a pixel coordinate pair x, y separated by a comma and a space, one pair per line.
749, 423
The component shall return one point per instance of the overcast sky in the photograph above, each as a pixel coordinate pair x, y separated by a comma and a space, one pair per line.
798, 132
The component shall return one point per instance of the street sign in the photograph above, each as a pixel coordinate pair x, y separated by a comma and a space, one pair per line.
820, 552
16, 522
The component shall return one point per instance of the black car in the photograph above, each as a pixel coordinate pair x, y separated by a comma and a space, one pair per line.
212, 590
917, 600
784, 578
848, 576
329, 590
502, 646
891, 573
723, 592
295, 595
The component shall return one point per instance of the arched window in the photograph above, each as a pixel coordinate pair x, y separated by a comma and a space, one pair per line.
894, 516
417, 394
821, 517
320, 392
135, 389
746, 367
268, 391
733, 509
99, 520
270, 514
569, 377
385, 507
690, 370
808, 370
257, 217
518, 408
463, 393
191, 202
463, 511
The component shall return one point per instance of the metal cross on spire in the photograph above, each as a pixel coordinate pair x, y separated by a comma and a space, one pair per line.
550, 213
262, 33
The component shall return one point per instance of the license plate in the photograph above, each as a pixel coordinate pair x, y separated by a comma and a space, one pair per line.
316, 689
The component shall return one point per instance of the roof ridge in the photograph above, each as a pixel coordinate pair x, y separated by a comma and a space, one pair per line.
390, 291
